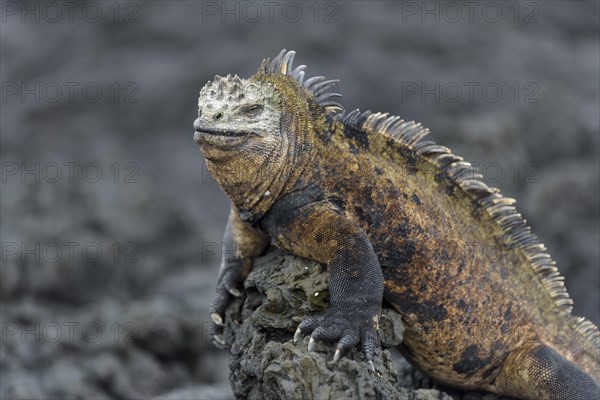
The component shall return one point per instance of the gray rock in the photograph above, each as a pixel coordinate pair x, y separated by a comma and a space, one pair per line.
265, 363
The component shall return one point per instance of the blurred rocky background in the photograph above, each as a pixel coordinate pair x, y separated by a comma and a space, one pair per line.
111, 225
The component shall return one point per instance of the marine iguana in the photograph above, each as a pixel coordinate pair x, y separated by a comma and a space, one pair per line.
392, 217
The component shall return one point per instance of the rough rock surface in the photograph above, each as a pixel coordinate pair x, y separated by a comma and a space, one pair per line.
265, 363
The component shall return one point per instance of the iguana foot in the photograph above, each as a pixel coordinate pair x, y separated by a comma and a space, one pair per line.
226, 288
344, 326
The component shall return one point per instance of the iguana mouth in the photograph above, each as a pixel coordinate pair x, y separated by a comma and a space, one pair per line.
220, 132
221, 138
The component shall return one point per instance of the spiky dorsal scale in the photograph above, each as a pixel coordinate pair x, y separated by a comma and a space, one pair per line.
325, 92
407, 136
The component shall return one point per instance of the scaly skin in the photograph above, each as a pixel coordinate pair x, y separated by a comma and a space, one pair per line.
392, 218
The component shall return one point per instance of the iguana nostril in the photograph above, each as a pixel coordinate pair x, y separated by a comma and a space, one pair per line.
218, 116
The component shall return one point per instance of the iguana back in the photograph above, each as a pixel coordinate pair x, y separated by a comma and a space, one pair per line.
460, 264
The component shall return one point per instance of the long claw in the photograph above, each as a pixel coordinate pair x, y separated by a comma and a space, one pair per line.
311, 344
336, 356
297, 335
218, 339
235, 292
371, 366
216, 318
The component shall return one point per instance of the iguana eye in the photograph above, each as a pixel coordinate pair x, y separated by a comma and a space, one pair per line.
253, 109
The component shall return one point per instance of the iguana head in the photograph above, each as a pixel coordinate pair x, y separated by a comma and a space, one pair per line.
253, 131
236, 115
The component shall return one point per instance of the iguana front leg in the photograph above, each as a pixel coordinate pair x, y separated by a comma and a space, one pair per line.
241, 244
321, 232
